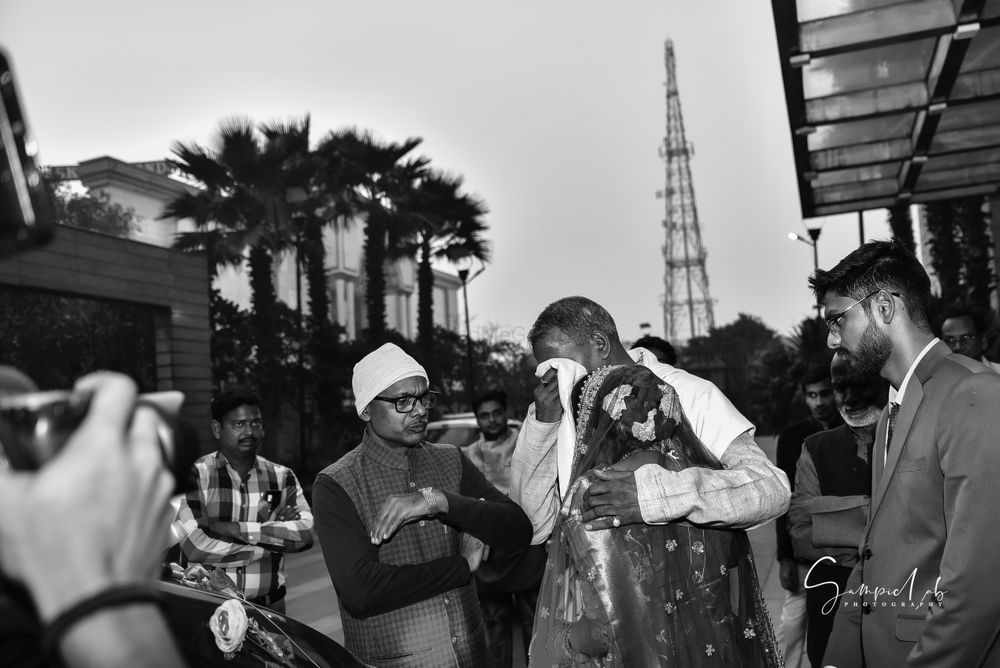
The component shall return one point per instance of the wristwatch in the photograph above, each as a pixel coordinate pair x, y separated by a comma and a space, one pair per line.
432, 506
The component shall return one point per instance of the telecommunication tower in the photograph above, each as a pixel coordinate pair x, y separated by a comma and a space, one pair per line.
687, 305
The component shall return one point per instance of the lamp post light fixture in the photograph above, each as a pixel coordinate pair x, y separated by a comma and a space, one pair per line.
465, 265
813, 241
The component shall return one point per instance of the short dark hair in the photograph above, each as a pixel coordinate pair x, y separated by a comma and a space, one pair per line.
980, 318
231, 399
814, 373
498, 396
655, 343
576, 317
879, 265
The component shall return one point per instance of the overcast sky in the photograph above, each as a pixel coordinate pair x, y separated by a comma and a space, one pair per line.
552, 111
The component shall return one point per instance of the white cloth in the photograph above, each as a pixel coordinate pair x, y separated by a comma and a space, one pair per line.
568, 372
380, 369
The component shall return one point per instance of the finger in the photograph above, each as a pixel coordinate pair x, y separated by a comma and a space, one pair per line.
600, 524
611, 474
548, 376
112, 400
597, 511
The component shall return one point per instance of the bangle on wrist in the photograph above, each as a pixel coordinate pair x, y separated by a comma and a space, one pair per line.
432, 506
111, 597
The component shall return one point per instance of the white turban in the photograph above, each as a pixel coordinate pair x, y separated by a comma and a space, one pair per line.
380, 369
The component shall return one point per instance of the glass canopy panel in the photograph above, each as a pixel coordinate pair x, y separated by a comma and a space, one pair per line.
861, 132
811, 10
951, 193
984, 50
867, 68
991, 9
888, 170
864, 154
855, 191
966, 140
883, 22
963, 159
830, 209
963, 176
976, 84
866, 103
969, 116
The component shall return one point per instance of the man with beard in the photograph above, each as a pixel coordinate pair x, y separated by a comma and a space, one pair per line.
925, 592
247, 511
833, 485
818, 395
394, 518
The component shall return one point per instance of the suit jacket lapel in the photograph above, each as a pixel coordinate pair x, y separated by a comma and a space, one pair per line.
904, 421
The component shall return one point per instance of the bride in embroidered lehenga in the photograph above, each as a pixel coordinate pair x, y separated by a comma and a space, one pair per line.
645, 595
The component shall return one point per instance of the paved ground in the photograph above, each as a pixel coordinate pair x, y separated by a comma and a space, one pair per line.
311, 598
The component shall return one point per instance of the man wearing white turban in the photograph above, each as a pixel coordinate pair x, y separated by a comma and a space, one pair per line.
399, 520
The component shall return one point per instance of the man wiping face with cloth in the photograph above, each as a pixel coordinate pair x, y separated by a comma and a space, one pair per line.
394, 518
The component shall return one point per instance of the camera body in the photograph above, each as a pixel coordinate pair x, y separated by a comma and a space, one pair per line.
34, 427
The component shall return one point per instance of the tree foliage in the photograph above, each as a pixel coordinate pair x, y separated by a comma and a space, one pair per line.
960, 249
93, 211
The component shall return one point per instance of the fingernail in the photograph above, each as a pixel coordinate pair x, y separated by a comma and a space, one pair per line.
588, 527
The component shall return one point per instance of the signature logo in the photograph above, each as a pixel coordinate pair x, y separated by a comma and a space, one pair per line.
880, 596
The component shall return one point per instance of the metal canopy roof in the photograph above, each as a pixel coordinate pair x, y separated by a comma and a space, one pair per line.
891, 102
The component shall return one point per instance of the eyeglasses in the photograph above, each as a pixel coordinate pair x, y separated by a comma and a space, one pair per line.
833, 321
405, 404
959, 340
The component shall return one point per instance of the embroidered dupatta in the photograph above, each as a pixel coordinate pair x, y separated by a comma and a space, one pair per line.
667, 595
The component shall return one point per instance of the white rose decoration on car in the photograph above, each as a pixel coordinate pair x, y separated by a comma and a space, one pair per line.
229, 626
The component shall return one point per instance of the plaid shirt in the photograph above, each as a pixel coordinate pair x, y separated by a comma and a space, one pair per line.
254, 564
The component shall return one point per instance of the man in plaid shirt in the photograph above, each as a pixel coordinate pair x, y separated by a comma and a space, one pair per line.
247, 511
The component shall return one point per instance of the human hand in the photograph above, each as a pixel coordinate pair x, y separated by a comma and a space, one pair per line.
473, 550
548, 407
397, 510
788, 574
104, 498
615, 497
286, 514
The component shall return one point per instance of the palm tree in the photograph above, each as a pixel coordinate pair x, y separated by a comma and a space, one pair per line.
443, 224
373, 171
243, 207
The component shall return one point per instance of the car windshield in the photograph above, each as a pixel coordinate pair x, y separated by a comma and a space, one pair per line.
460, 435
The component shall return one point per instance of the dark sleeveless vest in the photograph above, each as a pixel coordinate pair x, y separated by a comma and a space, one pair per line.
446, 630
838, 468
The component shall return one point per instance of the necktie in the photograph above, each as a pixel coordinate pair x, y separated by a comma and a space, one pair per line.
893, 411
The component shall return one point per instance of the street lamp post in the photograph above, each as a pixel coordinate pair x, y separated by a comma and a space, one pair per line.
813, 241
463, 275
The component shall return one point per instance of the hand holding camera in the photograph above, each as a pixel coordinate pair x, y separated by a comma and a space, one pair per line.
95, 516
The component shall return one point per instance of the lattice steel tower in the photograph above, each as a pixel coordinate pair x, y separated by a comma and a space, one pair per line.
687, 305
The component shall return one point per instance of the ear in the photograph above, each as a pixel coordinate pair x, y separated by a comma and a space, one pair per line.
216, 429
885, 306
365, 415
602, 344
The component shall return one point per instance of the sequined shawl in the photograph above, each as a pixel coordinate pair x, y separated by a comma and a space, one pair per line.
668, 595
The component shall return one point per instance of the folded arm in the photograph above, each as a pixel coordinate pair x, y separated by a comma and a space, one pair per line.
365, 585
291, 535
203, 545
749, 491
484, 512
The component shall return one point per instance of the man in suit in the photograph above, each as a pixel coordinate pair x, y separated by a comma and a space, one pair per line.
926, 591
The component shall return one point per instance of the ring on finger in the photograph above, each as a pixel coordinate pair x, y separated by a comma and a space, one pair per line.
616, 522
